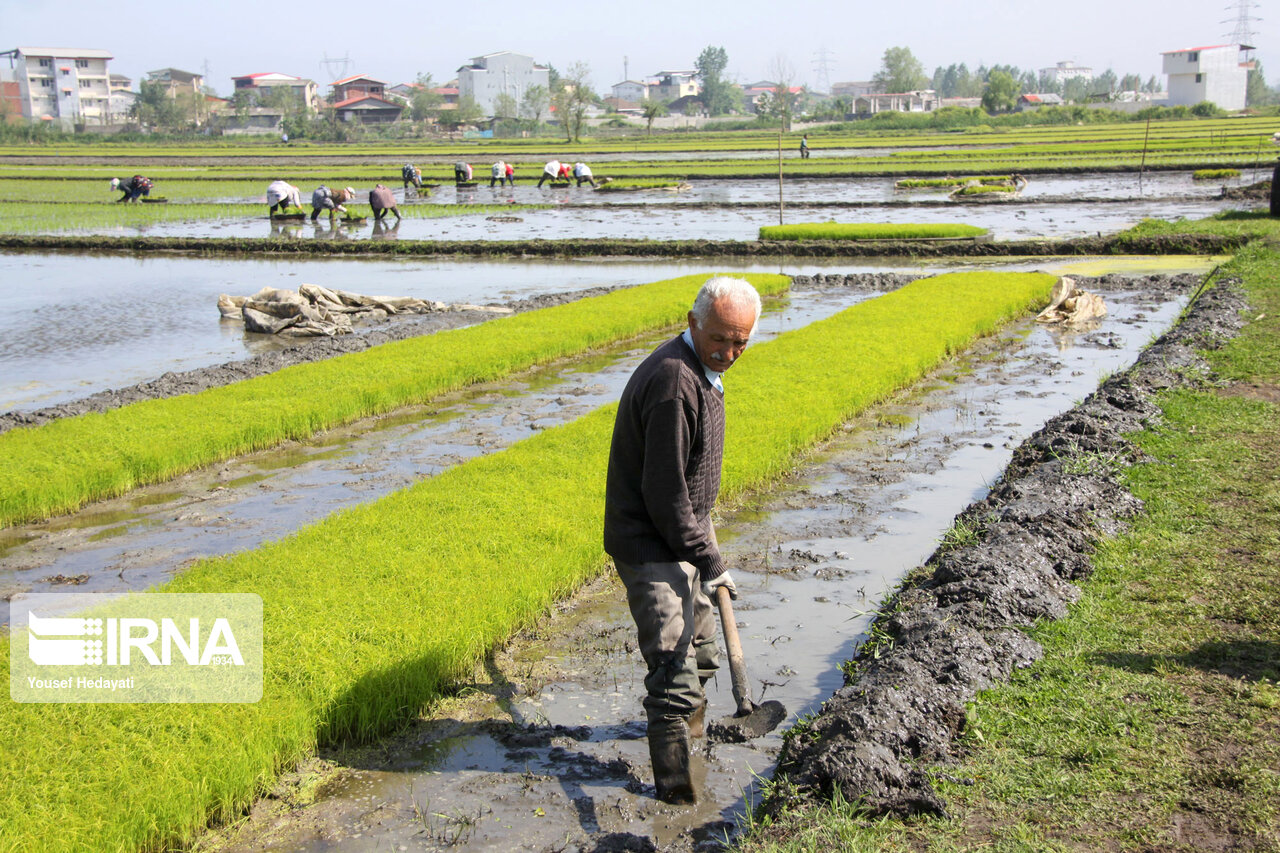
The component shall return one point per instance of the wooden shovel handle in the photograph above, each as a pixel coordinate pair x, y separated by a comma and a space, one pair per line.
737, 666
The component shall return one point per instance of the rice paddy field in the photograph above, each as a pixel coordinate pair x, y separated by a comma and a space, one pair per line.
389, 611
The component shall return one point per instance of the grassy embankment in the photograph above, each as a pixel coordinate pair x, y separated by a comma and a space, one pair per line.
1153, 723
374, 611
870, 231
1214, 174
61, 465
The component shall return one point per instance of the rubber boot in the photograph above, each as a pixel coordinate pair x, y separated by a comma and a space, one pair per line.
698, 720
669, 752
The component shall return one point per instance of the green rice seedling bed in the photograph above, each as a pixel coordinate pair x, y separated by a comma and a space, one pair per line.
984, 189
374, 612
870, 231
1214, 174
61, 465
635, 184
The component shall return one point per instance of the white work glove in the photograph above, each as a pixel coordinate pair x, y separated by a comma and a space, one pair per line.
709, 587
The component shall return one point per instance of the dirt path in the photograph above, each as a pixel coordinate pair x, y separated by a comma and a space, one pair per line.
544, 750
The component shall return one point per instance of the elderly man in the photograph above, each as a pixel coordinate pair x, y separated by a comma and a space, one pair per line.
664, 475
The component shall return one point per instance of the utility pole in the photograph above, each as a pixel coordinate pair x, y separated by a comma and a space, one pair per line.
822, 68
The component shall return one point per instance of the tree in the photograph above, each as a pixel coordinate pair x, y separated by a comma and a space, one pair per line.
504, 105
1105, 84
716, 91
900, 71
1001, 94
154, 107
533, 105
780, 103
651, 111
1075, 90
1258, 93
1131, 83
468, 112
424, 102
573, 98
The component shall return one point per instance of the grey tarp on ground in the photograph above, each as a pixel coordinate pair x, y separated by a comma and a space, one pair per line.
314, 310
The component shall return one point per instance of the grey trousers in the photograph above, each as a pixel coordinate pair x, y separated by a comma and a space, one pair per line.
677, 635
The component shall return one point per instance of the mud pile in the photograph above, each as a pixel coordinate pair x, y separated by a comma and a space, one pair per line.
953, 628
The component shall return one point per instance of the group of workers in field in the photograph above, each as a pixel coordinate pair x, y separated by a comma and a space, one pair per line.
503, 173
281, 195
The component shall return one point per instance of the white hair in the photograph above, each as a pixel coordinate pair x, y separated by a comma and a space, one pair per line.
738, 291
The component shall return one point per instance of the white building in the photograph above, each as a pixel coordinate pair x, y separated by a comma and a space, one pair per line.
631, 90
1064, 71
674, 85
493, 74
69, 85
1218, 73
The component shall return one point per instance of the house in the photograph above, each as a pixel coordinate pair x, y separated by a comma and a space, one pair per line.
302, 91
368, 109
349, 87
853, 89
1064, 71
1035, 101
177, 81
630, 90
672, 85
1217, 73
921, 101
758, 93
494, 74
69, 85
122, 98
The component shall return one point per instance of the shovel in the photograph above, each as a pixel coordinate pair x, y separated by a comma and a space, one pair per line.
750, 720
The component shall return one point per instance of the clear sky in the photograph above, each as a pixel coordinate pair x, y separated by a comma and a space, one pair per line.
394, 41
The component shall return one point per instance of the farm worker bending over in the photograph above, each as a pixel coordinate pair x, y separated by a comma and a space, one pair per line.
664, 474
461, 172
331, 200
582, 172
511, 175
550, 172
410, 174
381, 199
281, 194
564, 173
498, 174
133, 188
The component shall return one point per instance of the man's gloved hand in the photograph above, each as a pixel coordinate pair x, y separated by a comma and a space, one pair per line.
709, 587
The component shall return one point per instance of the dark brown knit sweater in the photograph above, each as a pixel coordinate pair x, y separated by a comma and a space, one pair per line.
664, 464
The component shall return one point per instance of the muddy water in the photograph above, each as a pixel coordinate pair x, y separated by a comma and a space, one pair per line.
74, 325
1005, 221
546, 750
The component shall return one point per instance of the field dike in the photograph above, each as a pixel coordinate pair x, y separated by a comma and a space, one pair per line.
951, 630
1122, 244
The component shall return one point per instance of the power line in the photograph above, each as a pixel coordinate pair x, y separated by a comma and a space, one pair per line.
341, 63
1244, 32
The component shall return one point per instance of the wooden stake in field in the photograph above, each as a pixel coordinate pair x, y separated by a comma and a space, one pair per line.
779, 175
1143, 166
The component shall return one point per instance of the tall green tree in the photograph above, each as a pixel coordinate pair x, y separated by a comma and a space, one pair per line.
1001, 94
1258, 93
573, 98
154, 107
716, 91
425, 102
900, 71
534, 104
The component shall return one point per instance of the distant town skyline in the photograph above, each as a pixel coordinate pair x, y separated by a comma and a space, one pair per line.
397, 41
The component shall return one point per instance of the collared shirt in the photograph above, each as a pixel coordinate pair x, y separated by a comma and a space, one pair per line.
713, 376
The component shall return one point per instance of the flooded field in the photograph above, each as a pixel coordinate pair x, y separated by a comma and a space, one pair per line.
546, 750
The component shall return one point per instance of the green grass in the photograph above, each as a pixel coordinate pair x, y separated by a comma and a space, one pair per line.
868, 231
641, 184
1152, 722
984, 189
62, 465
373, 612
